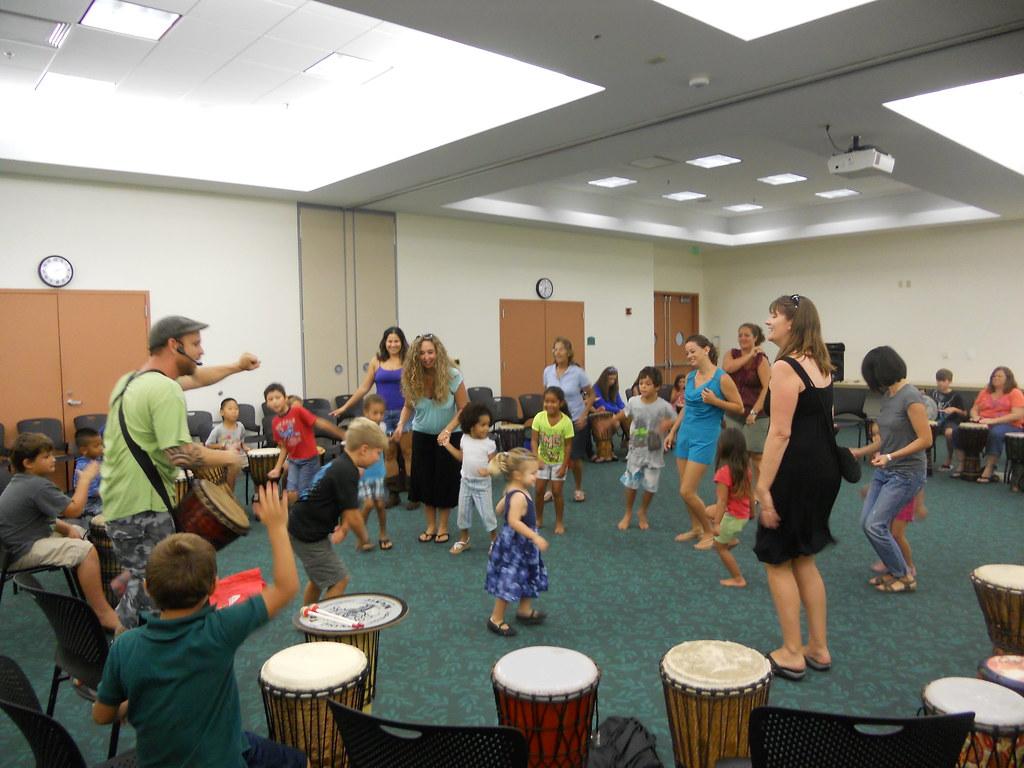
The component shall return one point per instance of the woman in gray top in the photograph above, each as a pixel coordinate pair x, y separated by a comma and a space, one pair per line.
900, 464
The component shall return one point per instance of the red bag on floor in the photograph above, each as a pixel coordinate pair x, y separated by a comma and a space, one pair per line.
237, 588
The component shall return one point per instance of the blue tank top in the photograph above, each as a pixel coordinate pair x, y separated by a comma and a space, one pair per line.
701, 416
389, 386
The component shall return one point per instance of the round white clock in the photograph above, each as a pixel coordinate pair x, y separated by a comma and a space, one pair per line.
56, 271
545, 288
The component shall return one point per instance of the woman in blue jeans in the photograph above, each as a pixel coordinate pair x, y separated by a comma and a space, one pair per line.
900, 464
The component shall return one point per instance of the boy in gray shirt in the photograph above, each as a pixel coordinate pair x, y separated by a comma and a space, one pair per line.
229, 435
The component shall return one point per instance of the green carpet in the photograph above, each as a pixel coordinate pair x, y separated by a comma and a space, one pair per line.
623, 599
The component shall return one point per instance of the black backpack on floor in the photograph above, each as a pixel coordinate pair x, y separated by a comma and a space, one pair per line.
623, 742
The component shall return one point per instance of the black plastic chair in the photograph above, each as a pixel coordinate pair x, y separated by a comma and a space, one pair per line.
318, 405
82, 645
5, 474
268, 431
371, 743
53, 429
7, 573
848, 409
480, 395
355, 410
50, 742
200, 425
505, 409
97, 421
3, 441
247, 418
531, 405
792, 738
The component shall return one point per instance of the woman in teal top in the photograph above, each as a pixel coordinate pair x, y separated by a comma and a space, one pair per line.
434, 391
710, 393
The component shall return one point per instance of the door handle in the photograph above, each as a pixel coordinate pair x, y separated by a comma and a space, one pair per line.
74, 402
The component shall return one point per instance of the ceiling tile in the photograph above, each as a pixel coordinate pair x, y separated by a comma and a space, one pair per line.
195, 33
16, 55
59, 10
17, 77
296, 89
240, 82
256, 15
323, 26
284, 55
173, 6
100, 55
171, 72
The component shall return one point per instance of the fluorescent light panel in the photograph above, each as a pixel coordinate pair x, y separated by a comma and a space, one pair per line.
682, 197
985, 117
782, 178
834, 193
129, 19
743, 207
751, 19
612, 181
713, 161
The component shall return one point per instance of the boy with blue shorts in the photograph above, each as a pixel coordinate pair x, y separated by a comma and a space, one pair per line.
651, 418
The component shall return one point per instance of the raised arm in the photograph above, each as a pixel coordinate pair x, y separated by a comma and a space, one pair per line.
207, 375
81, 494
330, 428
274, 516
364, 388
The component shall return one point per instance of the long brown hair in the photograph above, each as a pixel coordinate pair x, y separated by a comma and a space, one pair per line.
608, 392
414, 385
732, 453
805, 335
1011, 382
705, 343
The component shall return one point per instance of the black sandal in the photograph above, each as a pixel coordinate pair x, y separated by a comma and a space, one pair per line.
502, 629
533, 617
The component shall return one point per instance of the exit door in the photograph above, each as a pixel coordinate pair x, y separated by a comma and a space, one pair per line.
676, 318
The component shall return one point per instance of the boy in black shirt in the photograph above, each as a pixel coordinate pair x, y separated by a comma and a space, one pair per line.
951, 409
330, 508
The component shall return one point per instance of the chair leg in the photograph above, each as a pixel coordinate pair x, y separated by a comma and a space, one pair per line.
115, 732
73, 586
52, 703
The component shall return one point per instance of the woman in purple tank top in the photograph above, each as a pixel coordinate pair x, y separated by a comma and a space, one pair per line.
384, 372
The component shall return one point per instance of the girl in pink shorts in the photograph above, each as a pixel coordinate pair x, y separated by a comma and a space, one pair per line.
914, 510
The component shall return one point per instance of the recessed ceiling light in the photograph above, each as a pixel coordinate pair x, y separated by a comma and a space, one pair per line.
612, 181
54, 84
713, 161
748, 20
782, 178
984, 117
833, 193
743, 207
654, 161
341, 68
683, 196
129, 19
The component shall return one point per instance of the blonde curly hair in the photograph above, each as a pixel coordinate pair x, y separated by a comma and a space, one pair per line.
507, 463
414, 386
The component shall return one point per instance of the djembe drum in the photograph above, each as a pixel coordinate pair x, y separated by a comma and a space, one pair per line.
110, 566
211, 511
1007, 671
1015, 460
996, 739
261, 461
357, 620
971, 439
218, 475
602, 426
550, 694
180, 486
711, 687
297, 683
1000, 592
507, 435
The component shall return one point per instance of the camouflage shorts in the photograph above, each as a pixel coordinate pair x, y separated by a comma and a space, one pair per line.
133, 539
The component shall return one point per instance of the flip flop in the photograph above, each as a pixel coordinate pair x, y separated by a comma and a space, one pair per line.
426, 536
786, 673
385, 544
816, 665
504, 629
441, 538
533, 617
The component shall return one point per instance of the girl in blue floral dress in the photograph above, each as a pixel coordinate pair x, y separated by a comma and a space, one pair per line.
515, 571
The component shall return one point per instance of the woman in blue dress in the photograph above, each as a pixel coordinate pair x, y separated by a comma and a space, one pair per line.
710, 393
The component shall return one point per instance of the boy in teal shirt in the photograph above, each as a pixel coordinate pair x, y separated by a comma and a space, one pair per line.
174, 677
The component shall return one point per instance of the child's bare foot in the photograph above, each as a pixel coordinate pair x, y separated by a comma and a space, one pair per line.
879, 567
705, 543
623, 524
643, 522
691, 534
740, 582
559, 528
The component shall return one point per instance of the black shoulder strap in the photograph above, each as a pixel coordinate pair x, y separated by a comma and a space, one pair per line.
825, 416
148, 467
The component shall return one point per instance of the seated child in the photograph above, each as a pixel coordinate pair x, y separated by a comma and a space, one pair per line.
651, 419
174, 676
731, 511
31, 531
293, 431
371, 484
330, 508
89, 443
229, 435
951, 410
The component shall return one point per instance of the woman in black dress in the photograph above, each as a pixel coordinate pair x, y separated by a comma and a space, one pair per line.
798, 484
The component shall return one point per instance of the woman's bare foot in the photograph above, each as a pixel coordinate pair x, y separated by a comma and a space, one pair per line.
690, 535
559, 528
820, 656
740, 582
643, 522
623, 524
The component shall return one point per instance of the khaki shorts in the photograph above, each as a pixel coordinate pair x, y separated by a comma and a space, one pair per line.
57, 550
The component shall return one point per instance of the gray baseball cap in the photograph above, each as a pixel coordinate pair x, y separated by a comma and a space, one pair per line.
172, 327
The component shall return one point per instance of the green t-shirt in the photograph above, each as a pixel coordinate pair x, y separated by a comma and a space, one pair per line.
551, 446
154, 409
179, 679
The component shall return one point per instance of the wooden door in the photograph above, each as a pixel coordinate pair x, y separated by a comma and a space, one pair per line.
30, 384
565, 318
676, 317
522, 346
102, 336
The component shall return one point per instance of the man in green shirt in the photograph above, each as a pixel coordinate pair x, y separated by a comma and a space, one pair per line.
152, 401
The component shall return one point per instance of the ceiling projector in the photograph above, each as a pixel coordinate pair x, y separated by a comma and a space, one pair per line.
860, 162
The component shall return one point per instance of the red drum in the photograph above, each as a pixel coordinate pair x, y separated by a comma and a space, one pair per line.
997, 738
602, 425
550, 694
210, 511
971, 439
1007, 671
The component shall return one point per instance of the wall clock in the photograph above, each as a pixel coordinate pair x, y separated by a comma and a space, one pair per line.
545, 288
56, 271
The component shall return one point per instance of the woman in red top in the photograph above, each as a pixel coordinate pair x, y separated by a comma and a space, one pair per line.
1000, 406
749, 368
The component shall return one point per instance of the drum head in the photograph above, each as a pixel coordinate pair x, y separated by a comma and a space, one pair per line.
313, 666
971, 426
714, 665
544, 670
227, 507
372, 610
930, 407
1002, 575
98, 522
993, 705
265, 452
1005, 670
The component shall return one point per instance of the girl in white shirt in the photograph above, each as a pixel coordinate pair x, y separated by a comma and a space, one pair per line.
475, 452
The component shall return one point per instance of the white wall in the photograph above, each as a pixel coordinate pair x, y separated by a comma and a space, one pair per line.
452, 272
963, 308
230, 262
